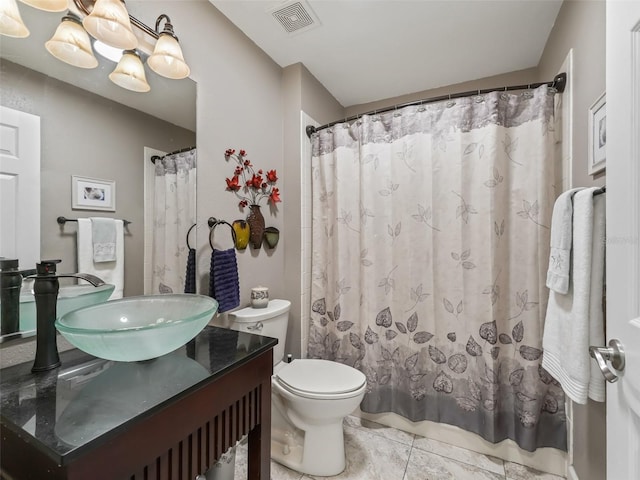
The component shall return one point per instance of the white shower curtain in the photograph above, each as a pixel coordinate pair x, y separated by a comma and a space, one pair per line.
174, 212
430, 248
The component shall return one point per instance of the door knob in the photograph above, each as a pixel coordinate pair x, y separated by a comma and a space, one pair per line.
614, 353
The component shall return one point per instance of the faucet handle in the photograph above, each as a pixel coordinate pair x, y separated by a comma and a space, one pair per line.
47, 267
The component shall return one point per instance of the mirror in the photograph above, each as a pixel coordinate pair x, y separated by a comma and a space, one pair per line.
91, 128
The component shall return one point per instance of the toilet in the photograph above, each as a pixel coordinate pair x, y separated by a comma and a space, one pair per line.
309, 398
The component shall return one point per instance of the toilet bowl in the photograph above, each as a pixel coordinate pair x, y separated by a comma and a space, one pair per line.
309, 399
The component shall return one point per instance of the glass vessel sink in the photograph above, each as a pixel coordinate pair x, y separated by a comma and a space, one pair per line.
137, 328
70, 297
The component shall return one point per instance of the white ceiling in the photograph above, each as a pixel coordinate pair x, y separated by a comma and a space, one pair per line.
368, 50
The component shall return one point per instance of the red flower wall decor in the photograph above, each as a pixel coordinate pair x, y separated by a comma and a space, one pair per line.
250, 186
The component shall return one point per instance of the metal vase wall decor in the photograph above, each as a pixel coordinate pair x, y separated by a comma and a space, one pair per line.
251, 186
256, 225
271, 236
241, 227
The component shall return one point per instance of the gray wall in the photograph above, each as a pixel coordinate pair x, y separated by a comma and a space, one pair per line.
581, 25
239, 105
520, 77
301, 91
87, 135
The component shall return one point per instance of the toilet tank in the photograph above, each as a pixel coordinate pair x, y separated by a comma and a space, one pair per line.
270, 321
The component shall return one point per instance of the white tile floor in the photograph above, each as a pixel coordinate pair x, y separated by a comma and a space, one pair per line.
377, 452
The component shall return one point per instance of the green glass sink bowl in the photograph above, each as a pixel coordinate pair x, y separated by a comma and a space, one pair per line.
69, 298
137, 328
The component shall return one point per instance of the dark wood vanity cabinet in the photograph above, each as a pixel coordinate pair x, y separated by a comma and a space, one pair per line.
54, 427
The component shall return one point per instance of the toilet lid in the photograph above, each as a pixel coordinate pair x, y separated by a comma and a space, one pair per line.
320, 377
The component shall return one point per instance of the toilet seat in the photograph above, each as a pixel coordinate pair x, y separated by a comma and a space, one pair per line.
320, 379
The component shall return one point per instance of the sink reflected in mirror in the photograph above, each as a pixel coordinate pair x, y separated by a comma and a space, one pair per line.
137, 328
70, 297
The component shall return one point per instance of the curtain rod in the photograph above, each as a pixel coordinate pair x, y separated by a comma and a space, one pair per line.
185, 149
559, 82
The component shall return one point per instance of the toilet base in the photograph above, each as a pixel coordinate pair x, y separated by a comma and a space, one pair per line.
318, 452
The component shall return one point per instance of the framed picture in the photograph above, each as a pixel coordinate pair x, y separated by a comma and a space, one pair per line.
93, 194
598, 135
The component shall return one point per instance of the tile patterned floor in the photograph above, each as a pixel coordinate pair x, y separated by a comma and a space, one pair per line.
377, 452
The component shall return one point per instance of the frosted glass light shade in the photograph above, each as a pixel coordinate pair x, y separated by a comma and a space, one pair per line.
167, 59
71, 44
109, 22
130, 74
11, 23
47, 5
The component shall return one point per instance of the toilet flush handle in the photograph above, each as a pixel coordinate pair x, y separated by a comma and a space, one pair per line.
257, 327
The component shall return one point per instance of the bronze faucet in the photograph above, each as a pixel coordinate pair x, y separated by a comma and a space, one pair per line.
45, 289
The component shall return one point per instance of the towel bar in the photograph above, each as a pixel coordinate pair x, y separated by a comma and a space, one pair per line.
213, 223
62, 220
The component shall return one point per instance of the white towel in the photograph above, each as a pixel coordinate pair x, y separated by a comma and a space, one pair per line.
103, 235
109, 272
597, 386
575, 320
561, 234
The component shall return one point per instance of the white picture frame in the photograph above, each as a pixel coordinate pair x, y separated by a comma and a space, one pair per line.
93, 194
598, 135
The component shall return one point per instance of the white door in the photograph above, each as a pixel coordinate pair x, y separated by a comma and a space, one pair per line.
623, 234
20, 186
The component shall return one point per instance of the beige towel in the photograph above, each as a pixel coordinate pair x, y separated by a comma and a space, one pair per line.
109, 272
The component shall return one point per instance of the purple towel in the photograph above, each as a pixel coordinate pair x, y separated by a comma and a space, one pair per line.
190, 275
224, 285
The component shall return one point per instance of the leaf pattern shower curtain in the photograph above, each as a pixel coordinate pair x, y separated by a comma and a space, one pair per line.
430, 249
174, 213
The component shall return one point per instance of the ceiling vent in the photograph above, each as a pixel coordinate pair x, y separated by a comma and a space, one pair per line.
295, 16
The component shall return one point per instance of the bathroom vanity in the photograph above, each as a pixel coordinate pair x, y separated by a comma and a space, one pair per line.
166, 418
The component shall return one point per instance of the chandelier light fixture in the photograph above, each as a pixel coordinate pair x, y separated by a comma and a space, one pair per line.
167, 59
108, 22
11, 23
71, 44
129, 73
47, 5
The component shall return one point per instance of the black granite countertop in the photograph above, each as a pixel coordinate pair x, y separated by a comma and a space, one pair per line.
87, 401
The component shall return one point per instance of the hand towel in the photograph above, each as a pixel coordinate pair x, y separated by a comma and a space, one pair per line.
224, 285
103, 234
190, 275
575, 320
561, 234
109, 272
